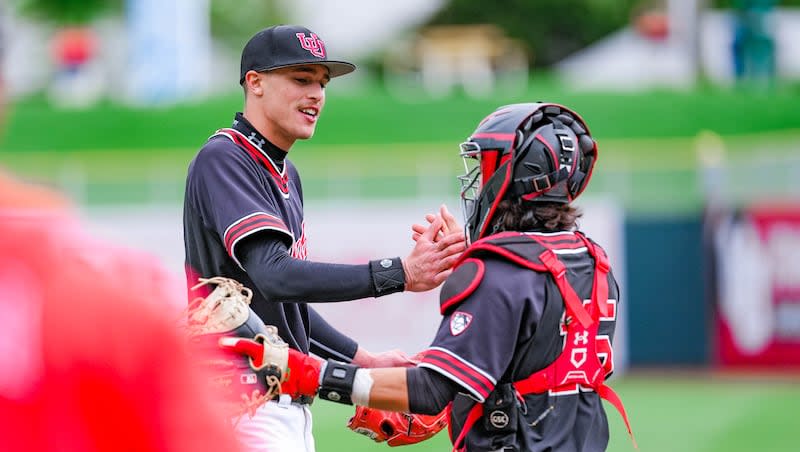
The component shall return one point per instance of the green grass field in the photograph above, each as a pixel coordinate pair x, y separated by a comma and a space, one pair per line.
669, 413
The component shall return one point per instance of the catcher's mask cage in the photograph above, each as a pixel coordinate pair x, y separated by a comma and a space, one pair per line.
539, 152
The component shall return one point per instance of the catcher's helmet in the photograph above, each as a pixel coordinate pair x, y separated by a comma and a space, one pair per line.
539, 152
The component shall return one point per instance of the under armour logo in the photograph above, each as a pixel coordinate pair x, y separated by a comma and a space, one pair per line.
313, 44
260, 142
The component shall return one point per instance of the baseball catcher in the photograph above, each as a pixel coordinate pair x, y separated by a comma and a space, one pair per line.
241, 383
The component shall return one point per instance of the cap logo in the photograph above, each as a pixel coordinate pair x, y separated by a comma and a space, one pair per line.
313, 44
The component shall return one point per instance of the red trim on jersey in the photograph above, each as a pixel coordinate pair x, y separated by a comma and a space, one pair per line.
247, 225
476, 280
560, 241
466, 374
510, 256
280, 177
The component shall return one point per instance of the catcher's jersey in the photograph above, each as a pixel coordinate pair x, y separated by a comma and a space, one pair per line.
492, 311
234, 190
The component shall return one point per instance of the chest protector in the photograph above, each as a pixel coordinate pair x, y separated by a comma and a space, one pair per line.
582, 364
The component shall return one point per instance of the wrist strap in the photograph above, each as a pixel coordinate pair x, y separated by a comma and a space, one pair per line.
336, 384
387, 276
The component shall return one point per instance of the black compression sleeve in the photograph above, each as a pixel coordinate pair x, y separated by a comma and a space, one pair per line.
281, 277
327, 342
429, 392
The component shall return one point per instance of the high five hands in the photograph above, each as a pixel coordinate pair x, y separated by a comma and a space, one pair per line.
437, 247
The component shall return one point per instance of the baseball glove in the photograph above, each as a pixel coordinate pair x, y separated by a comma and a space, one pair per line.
241, 385
397, 429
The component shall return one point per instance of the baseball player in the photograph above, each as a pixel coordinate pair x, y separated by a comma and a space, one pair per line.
243, 219
528, 314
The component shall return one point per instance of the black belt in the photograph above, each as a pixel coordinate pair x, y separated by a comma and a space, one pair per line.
302, 400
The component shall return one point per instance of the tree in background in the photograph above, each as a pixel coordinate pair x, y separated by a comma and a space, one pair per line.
68, 11
233, 23
552, 29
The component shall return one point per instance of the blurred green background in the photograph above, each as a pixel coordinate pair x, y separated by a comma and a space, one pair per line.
650, 142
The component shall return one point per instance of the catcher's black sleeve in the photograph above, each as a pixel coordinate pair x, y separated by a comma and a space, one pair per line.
327, 341
281, 277
429, 392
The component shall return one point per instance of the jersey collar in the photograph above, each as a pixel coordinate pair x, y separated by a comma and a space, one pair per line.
242, 125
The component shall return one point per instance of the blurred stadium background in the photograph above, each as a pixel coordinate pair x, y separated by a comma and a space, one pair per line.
694, 104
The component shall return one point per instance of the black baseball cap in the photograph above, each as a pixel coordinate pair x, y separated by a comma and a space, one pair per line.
288, 45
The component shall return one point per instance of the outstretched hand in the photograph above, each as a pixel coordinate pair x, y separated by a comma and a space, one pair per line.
436, 249
391, 358
450, 224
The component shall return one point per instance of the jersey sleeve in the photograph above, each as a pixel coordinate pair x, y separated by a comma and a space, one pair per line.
477, 336
226, 187
327, 341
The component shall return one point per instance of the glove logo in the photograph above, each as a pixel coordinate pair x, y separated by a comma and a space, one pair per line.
459, 322
248, 379
498, 419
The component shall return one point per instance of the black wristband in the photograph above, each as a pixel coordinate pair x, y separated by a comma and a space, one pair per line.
337, 382
387, 276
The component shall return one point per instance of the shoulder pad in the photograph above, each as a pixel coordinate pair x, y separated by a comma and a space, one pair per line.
461, 283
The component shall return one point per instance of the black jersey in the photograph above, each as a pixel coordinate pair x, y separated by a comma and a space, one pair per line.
234, 189
503, 322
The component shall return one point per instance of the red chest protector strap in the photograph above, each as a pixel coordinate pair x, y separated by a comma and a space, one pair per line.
578, 367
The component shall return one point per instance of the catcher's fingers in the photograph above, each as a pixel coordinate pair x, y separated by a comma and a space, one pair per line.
454, 242
450, 222
432, 230
418, 230
247, 347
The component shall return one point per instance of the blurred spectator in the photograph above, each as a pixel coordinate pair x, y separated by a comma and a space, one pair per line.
78, 79
753, 44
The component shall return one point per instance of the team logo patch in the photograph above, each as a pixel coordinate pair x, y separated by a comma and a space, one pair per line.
313, 44
498, 419
459, 322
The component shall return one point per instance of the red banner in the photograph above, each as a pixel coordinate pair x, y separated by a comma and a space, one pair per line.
757, 262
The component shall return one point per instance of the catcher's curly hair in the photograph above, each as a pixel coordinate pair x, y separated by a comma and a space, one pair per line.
521, 215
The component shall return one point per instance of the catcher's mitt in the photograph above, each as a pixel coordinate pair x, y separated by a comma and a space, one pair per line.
397, 429
225, 312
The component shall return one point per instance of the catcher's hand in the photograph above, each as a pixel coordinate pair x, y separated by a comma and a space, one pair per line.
242, 384
397, 429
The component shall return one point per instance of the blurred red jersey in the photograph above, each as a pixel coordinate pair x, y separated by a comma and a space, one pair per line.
91, 357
